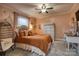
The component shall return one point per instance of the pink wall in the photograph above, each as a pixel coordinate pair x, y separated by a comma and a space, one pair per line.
6, 14
62, 23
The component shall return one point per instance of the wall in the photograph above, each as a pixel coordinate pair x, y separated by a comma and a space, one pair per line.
62, 23
6, 15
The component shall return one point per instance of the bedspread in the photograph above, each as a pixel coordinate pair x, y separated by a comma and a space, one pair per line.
40, 41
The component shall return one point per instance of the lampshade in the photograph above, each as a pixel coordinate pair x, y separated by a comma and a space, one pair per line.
30, 27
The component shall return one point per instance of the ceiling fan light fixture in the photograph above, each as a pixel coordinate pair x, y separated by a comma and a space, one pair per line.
43, 10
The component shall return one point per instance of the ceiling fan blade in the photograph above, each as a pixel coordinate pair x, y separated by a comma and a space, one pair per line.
37, 9
46, 11
50, 8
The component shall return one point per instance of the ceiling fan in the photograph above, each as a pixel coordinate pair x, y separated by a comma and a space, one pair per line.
44, 8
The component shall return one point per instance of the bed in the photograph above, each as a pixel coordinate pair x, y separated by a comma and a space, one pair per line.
38, 43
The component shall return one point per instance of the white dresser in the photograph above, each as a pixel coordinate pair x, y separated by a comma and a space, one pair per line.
72, 39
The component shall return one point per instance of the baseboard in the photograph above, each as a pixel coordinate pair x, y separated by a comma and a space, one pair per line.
59, 39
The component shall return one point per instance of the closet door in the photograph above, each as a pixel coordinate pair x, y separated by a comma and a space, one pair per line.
50, 30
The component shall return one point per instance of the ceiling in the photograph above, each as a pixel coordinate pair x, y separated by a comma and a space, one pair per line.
29, 8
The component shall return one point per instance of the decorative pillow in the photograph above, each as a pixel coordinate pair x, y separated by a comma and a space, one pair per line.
30, 33
26, 32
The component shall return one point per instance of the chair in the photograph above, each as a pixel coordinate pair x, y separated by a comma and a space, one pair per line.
6, 37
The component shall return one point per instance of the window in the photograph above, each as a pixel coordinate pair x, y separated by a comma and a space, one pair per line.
22, 21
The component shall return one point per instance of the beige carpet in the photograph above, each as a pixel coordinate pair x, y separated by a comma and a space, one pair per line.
57, 49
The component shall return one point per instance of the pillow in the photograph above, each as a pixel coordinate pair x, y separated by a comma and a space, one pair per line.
26, 32
30, 33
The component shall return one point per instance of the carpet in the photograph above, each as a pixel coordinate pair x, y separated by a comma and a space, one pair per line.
57, 49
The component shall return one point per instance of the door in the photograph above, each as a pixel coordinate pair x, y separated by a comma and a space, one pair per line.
49, 29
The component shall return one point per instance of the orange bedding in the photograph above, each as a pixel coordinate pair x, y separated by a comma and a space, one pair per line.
40, 41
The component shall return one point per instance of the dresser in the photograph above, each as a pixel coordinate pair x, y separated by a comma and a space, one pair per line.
70, 40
